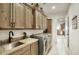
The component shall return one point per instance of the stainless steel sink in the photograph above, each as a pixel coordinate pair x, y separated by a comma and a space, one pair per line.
12, 45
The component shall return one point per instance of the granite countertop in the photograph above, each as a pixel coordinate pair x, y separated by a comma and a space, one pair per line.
25, 41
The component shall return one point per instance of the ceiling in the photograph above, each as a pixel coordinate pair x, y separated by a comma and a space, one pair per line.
60, 8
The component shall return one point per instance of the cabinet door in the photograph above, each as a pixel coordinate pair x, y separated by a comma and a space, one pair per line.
41, 21
19, 15
37, 19
44, 22
34, 48
5, 15
49, 25
28, 17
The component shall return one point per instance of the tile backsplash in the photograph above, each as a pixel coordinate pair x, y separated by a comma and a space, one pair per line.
4, 34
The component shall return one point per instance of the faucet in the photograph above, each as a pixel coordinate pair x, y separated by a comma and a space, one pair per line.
25, 35
10, 36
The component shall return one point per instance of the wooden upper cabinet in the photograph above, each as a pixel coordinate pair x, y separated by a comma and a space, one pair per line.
40, 20
28, 17
36, 19
44, 22
49, 25
18, 15
18, 18
5, 13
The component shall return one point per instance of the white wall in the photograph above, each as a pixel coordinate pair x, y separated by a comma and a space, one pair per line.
74, 33
4, 34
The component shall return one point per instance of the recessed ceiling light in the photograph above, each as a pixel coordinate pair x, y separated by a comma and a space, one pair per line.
53, 7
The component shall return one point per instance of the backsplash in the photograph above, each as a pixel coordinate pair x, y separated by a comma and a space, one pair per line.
4, 34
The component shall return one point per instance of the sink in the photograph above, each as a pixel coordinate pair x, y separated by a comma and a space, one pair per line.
12, 45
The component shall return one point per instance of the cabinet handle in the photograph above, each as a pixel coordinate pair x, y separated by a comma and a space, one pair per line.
12, 24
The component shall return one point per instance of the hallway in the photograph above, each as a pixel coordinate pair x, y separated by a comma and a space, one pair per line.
60, 47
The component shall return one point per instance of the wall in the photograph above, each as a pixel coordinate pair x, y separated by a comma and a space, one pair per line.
74, 33
4, 34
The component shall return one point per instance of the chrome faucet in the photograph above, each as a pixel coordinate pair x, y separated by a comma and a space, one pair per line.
10, 36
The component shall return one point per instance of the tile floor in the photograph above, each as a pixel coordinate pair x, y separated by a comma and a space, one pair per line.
60, 47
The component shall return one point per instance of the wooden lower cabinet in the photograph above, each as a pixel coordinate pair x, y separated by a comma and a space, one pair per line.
22, 51
31, 49
34, 48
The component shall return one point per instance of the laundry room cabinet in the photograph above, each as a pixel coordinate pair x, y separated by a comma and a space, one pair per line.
15, 16
23, 17
49, 25
23, 51
30, 49
39, 19
44, 22
28, 17
18, 15
5, 15
34, 48
11, 15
